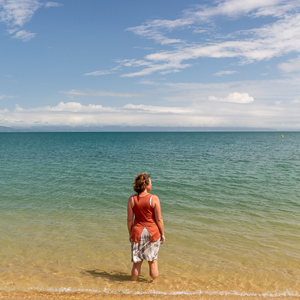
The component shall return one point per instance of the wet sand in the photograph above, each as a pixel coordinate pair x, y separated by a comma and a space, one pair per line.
37, 295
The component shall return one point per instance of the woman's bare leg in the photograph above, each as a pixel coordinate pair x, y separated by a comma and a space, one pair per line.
153, 269
136, 270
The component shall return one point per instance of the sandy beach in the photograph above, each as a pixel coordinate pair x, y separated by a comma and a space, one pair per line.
36, 295
39, 295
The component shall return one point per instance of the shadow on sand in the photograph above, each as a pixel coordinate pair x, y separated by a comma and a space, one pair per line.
113, 275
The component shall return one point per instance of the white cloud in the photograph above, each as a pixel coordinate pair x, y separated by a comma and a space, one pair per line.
71, 107
52, 4
241, 98
157, 109
97, 73
148, 82
293, 65
203, 14
151, 30
99, 93
264, 92
16, 13
134, 63
296, 101
221, 73
76, 107
273, 40
6, 97
235, 8
169, 67
24, 35
205, 114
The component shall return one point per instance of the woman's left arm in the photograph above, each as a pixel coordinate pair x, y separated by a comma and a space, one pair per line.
130, 216
158, 217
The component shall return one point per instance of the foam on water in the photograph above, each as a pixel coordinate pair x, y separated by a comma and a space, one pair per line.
154, 292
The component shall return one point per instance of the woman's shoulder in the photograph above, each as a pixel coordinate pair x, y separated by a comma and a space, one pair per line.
132, 196
154, 197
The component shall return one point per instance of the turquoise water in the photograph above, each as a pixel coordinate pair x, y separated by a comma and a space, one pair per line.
230, 203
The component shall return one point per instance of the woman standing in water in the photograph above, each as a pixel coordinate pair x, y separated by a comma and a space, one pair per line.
145, 226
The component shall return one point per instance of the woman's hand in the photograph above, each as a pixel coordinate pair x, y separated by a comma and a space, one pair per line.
129, 239
162, 239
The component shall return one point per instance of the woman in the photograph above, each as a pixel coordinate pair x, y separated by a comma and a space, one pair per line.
146, 233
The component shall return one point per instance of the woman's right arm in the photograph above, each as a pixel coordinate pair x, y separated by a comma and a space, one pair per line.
158, 218
130, 216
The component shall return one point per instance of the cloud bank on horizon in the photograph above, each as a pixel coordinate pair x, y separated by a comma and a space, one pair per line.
223, 64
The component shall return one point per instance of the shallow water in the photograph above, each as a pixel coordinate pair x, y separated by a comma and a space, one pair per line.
230, 203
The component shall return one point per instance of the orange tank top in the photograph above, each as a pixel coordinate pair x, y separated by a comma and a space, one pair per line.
144, 217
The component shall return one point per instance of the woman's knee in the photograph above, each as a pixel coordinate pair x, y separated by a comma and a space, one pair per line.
153, 268
136, 270
136, 267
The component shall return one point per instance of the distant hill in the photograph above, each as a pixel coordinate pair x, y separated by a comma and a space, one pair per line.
133, 129
129, 129
8, 129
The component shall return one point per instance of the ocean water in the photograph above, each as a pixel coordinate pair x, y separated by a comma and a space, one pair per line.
230, 203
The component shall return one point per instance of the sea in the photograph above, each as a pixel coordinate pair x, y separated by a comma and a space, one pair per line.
230, 203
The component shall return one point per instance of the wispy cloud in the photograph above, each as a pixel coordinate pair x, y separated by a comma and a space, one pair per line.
221, 73
102, 72
158, 109
296, 101
292, 65
97, 73
241, 98
52, 4
99, 93
273, 40
16, 13
24, 35
6, 97
151, 67
148, 82
152, 30
202, 14
236, 8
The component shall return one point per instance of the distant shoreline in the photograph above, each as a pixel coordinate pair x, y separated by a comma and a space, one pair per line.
139, 129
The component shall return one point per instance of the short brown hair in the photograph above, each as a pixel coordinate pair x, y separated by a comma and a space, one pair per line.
141, 180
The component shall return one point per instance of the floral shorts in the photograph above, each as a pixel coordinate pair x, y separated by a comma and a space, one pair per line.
144, 249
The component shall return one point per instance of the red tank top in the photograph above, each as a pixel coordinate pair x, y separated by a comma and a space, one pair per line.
144, 217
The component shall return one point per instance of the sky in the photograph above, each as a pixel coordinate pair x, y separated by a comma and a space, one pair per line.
166, 63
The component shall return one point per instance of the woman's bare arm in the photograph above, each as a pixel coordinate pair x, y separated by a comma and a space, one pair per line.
130, 216
158, 217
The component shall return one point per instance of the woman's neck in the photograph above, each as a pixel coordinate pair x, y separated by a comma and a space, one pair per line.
144, 193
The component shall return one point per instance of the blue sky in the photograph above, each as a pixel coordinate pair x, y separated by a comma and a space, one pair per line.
166, 63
